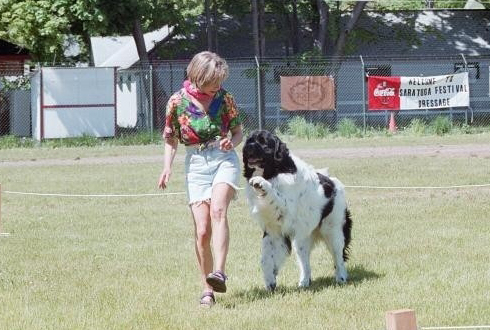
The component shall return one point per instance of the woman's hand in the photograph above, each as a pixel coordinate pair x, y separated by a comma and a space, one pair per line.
226, 144
168, 158
164, 178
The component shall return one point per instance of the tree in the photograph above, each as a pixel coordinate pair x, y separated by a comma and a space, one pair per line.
258, 22
258, 9
316, 16
321, 40
135, 17
294, 33
209, 26
354, 18
43, 26
287, 24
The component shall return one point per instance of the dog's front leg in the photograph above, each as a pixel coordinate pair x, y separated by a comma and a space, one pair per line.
302, 247
275, 249
263, 189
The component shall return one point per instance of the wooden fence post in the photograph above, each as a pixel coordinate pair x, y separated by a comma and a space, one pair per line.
402, 319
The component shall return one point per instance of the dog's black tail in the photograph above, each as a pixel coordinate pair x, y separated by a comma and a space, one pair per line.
347, 234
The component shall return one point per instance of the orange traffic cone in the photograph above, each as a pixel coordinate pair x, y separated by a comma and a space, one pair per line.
392, 125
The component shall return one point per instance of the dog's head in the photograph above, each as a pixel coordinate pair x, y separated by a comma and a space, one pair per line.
266, 155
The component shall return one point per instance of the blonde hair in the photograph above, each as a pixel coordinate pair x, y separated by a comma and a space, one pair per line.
207, 68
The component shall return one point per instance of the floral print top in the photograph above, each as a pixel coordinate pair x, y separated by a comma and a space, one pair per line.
191, 125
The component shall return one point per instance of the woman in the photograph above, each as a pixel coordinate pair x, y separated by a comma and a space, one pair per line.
203, 116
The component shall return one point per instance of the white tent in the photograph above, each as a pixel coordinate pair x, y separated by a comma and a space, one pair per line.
121, 51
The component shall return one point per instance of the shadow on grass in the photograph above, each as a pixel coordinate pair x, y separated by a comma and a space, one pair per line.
357, 275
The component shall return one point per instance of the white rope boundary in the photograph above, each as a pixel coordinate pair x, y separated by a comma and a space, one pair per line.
422, 187
89, 195
458, 327
182, 193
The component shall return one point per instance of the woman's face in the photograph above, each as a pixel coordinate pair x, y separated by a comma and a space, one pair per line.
210, 89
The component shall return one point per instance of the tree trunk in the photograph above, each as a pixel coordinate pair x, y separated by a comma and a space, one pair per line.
215, 26
145, 111
259, 43
139, 40
262, 27
323, 27
315, 22
294, 28
342, 40
86, 40
256, 28
209, 28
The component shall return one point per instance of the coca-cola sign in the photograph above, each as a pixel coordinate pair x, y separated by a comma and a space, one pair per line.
432, 92
382, 93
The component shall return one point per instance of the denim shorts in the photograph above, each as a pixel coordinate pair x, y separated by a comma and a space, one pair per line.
207, 167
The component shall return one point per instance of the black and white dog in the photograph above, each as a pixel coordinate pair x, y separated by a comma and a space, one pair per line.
294, 203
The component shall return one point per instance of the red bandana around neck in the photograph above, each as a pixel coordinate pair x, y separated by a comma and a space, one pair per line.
195, 92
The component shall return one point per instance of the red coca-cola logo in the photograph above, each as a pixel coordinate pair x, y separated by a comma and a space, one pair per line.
383, 93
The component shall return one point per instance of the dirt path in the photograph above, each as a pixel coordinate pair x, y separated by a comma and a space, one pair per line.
463, 150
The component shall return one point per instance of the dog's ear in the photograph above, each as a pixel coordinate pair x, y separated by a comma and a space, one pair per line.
281, 150
247, 171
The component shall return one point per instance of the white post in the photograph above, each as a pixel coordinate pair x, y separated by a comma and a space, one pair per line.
363, 94
2, 234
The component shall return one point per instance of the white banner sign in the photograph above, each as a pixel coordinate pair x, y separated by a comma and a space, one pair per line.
404, 93
435, 92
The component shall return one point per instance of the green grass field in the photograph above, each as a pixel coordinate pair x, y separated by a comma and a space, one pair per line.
129, 263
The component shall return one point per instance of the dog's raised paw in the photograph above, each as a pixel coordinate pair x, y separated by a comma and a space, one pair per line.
260, 185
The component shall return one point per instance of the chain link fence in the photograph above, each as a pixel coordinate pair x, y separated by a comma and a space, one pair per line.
15, 103
141, 94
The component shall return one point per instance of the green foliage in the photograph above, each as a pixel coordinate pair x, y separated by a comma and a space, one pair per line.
83, 141
20, 82
359, 34
125, 139
42, 26
308, 56
441, 125
464, 128
11, 142
417, 127
120, 15
299, 127
347, 128
416, 5
46, 27
140, 138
